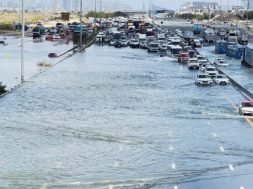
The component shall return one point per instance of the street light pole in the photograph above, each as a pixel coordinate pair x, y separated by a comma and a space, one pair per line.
96, 12
81, 27
22, 43
247, 14
100, 12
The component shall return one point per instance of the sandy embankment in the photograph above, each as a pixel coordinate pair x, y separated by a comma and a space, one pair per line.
8, 20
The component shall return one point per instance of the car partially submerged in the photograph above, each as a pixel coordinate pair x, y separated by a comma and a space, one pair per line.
183, 57
203, 79
211, 71
193, 63
221, 62
246, 108
202, 59
221, 80
52, 55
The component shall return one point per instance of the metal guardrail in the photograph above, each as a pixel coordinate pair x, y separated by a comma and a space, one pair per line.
245, 92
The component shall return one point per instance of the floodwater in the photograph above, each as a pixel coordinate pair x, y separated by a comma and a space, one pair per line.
125, 119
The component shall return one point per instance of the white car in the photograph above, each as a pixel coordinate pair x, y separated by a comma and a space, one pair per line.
202, 67
211, 71
246, 108
221, 62
202, 59
221, 80
193, 63
203, 79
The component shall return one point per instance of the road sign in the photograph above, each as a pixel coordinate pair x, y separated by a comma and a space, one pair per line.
65, 16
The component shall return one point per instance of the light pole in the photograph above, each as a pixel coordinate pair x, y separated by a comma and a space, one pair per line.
247, 14
100, 12
95, 13
22, 43
81, 27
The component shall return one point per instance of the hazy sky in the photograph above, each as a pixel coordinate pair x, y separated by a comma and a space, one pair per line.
175, 4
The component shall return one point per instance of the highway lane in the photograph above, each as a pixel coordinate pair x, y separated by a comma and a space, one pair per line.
123, 118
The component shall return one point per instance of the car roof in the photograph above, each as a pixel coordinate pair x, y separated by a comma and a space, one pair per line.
210, 67
247, 101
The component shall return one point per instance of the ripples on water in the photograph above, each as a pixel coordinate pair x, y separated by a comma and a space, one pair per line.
109, 118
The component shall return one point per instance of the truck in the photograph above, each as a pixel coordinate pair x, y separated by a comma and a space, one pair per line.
197, 28
209, 36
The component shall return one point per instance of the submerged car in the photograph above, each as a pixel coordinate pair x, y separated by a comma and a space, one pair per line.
203, 79
246, 108
52, 55
202, 59
211, 71
134, 43
183, 58
221, 62
221, 80
193, 63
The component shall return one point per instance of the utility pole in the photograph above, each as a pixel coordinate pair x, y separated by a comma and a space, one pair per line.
81, 21
247, 14
95, 13
100, 12
22, 42
150, 8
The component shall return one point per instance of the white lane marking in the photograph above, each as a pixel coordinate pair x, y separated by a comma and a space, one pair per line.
110, 187
171, 148
175, 187
214, 135
231, 167
222, 149
173, 166
241, 187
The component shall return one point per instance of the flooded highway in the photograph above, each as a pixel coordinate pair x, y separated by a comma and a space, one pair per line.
123, 119
35, 53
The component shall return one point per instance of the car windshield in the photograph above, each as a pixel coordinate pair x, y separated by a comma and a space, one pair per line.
220, 77
203, 76
201, 58
210, 69
193, 61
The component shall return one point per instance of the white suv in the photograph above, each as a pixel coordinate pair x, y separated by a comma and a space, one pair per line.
193, 63
221, 80
211, 71
203, 79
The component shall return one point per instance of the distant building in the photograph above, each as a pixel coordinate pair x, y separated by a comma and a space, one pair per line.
199, 6
205, 5
237, 8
